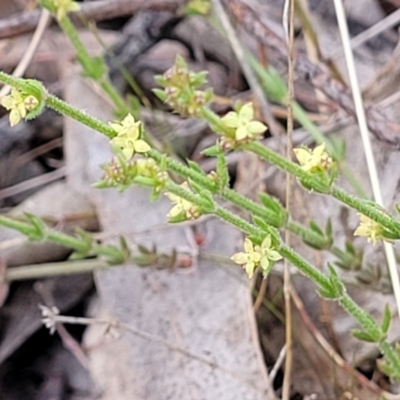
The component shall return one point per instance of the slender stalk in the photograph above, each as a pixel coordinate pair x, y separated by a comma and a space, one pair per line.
363, 318
64, 108
38, 271
286, 165
289, 5
255, 209
240, 223
54, 236
360, 205
367, 209
89, 63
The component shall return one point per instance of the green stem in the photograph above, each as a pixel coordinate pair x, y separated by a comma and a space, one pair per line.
360, 205
240, 223
365, 208
286, 165
64, 108
239, 200
16, 83
58, 237
88, 63
363, 318
249, 205
303, 266
38, 271
221, 212
229, 194
114, 95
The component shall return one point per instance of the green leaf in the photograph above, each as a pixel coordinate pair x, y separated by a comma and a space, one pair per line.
350, 247
212, 151
87, 242
38, 231
208, 199
388, 234
260, 222
314, 227
195, 167
362, 335
198, 79
337, 284
124, 248
117, 258
328, 228
386, 319
160, 80
197, 188
144, 250
271, 203
160, 94
273, 84
180, 62
327, 293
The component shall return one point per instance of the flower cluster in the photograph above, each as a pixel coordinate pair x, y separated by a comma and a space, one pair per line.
317, 160
128, 140
118, 173
19, 105
183, 209
122, 174
181, 89
255, 256
240, 128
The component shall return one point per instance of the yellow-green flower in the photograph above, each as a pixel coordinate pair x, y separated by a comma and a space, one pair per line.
128, 138
64, 7
182, 207
369, 228
243, 124
254, 256
19, 105
317, 160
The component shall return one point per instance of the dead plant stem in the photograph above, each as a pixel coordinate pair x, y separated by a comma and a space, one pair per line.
289, 22
369, 155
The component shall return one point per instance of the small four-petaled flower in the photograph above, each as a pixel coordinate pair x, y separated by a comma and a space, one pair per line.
369, 228
255, 256
242, 122
317, 160
19, 105
128, 139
